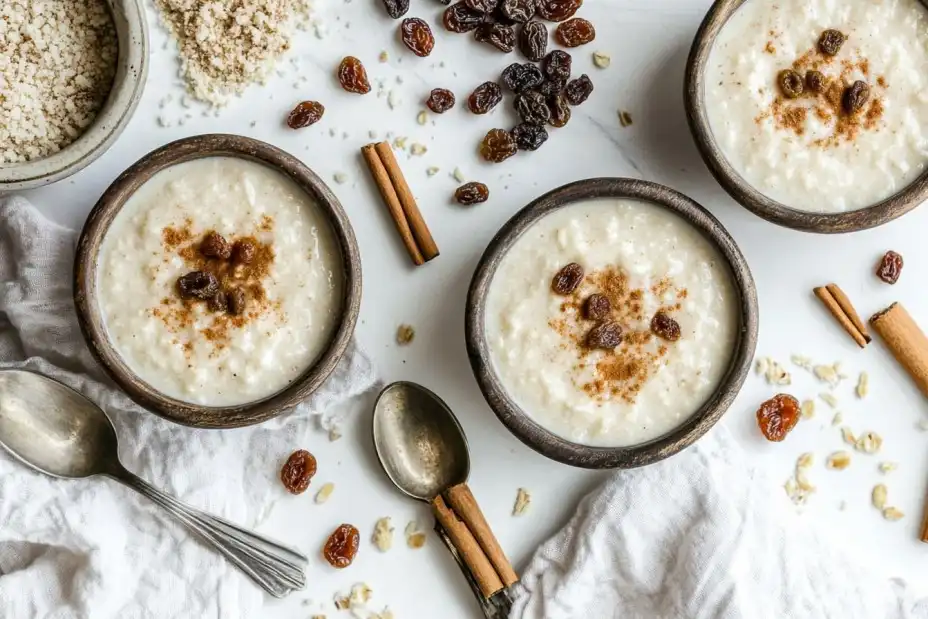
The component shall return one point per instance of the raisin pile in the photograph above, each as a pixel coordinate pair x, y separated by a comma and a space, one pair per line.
204, 285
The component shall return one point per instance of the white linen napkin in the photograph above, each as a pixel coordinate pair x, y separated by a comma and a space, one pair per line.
91, 548
699, 536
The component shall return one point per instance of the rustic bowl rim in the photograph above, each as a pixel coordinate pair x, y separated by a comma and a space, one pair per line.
586, 456
884, 211
85, 280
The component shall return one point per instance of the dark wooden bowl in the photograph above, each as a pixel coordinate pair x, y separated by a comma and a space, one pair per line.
85, 281
544, 441
743, 192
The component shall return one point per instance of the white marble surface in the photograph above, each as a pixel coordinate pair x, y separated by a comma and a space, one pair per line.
648, 42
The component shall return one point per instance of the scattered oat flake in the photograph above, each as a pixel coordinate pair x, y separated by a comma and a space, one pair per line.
418, 149
863, 385
776, 374
848, 435
803, 482
808, 409
625, 119
805, 461
761, 366
892, 513
837, 419
422, 117
393, 100
415, 538
838, 461
878, 496
400, 142
800, 361
602, 60
340, 177
384, 56
826, 373
405, 334
523, 499
887, 467
870, 442
324, 493
829, 399
383, 534
432, 171
335, 433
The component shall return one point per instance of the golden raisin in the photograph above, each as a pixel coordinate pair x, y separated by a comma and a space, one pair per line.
777, 416
352, 76
342, 546
297, 471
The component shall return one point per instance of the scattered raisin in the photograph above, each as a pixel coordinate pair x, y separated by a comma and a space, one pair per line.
482, 6
214, 245
533, 40
556, 66
815, 81
520, 77
596, 307
831, 41
352, 76
472, 193
417, 36
518, 11
567, 279
529, 136
236, 301
890, 267
218, 302
440, 100
557, 10
532, 107
665, 327
459, 18
500, 36
855, 97
305, 114
297, 471
777, 416
396, 8
790, 83
198, 285
575, 32
342, 546
560, 111
605, 335
243, 252
498, 145
484, 98
578, 90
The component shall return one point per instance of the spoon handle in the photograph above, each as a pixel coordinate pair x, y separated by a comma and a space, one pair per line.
276, 568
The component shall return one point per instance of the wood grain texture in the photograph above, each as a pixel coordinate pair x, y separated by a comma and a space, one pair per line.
465, 506
467, 546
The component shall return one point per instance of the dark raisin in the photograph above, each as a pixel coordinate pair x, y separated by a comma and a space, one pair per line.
396, 8
533, 40
560, 110
557, 10
198, 285
342, 546
529, 136
556, 66
352, 76
567, 279
575, 32
214, 245
417, 36
305, 114
890, 267
237, 302
790, 83
484, 98
297, 471
521, 77
605, 335
244, 251
777, 416
440, 100
218, 302
497, 146
578, 90
532, 107
472, 193
500, 36
459, 18
518, 11
549, 88
665, 327
815, 81
596, 307
855, 97
831, 41
482, 6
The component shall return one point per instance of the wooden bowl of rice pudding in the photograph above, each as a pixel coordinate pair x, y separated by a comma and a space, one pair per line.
611, 322
813, 114
218, 281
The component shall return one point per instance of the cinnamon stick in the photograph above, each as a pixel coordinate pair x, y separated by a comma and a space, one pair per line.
465, 505
469, 549
843, 312
419, 228
845, 304
388, 193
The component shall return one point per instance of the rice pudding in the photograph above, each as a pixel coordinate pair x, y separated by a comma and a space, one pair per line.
267, 298
632, 350
809, 150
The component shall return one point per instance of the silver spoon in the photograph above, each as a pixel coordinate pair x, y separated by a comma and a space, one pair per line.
423, 450
57, 431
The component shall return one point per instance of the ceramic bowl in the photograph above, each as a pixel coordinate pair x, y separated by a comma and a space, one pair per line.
742, 191
86, 281
517, 420
128, 83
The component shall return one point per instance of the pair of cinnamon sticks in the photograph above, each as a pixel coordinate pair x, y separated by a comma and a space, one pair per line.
400, 202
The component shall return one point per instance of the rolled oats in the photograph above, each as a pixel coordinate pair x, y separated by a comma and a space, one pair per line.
800, 361
761, 366
870, 443
837, 419
523, 499
415, 538
892, 513
383, 534
601, 60
838, 461
848, 436
878, 496
808, 409
887, 467
826, 374
324, 493
863, 385
776, 374
829, 399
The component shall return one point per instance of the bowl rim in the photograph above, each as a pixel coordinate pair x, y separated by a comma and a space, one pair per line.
884, 211
521, 424
85, 279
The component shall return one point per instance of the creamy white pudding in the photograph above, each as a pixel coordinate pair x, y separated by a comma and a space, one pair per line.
809, 153
189, 348
644, 260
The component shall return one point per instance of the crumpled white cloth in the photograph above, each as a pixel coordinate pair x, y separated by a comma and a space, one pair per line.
91, 548
699, 536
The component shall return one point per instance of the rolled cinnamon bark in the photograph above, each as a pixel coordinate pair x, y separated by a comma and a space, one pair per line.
463, 540
465, 506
